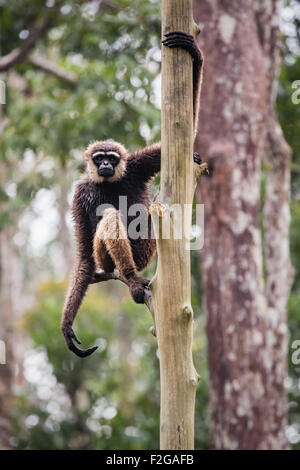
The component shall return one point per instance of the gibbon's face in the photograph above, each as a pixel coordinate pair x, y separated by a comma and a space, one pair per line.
106, 161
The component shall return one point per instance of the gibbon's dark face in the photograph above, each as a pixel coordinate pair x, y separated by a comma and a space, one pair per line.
106, 162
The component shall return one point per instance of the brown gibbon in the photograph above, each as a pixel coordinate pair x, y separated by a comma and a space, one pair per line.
102, 239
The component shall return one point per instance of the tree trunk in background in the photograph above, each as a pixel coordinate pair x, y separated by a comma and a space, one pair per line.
277, 155
233, 133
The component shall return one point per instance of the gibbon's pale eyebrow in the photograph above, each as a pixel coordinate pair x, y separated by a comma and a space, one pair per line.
98, 153
113, 154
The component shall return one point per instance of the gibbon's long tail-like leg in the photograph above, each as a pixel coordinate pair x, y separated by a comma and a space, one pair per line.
81, 280
83, 274
111, 238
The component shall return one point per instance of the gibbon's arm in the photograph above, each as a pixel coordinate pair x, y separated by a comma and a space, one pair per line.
145, 163
197, 81
187, 42
83, 273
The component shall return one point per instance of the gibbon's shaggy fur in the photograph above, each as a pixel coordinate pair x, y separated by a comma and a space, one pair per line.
102, 240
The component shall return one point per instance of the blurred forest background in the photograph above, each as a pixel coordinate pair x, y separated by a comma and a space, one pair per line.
94, 73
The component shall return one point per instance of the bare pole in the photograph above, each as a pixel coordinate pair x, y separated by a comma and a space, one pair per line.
172, 283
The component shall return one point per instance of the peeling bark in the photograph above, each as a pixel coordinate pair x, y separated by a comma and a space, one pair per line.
235, 108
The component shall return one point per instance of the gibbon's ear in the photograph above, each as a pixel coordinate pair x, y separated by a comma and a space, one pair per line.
105, 146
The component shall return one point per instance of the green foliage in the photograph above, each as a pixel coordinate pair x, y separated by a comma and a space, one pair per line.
113, 97
109, 401
289, 115
294, 322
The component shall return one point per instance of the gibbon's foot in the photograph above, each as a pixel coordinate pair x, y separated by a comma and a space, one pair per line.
137, 286
181, 39
197, 158
69, 336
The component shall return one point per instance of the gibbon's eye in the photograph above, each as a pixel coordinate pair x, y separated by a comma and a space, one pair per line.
97, 160
97, 157
114, 157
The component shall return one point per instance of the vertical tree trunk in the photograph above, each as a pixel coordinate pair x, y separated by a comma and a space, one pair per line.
234, 113
279, 271
171, 286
